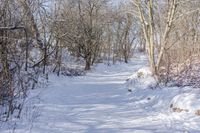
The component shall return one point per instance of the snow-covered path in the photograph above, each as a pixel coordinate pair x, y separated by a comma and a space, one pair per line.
100, 103
97, 102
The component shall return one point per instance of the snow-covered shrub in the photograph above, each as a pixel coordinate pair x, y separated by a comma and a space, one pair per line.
67, 71
14, 91
186, 102
35, 55
17, 77
142, 79
68, 65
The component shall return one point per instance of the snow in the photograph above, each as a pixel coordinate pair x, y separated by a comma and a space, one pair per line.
35, 54
188, 101
142, 79
100, 103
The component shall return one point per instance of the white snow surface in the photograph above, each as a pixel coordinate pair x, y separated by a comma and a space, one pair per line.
100, 103
141, 79
188, 101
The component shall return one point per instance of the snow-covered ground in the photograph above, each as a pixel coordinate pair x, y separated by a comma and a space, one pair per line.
100, 103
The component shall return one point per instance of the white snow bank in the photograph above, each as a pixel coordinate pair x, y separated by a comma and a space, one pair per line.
142, 79
187, 101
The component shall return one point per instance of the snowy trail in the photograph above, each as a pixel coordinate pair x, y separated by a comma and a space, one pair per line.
100, 103
93, 103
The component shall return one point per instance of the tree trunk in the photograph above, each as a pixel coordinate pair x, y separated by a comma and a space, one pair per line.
88, 62
87, 65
